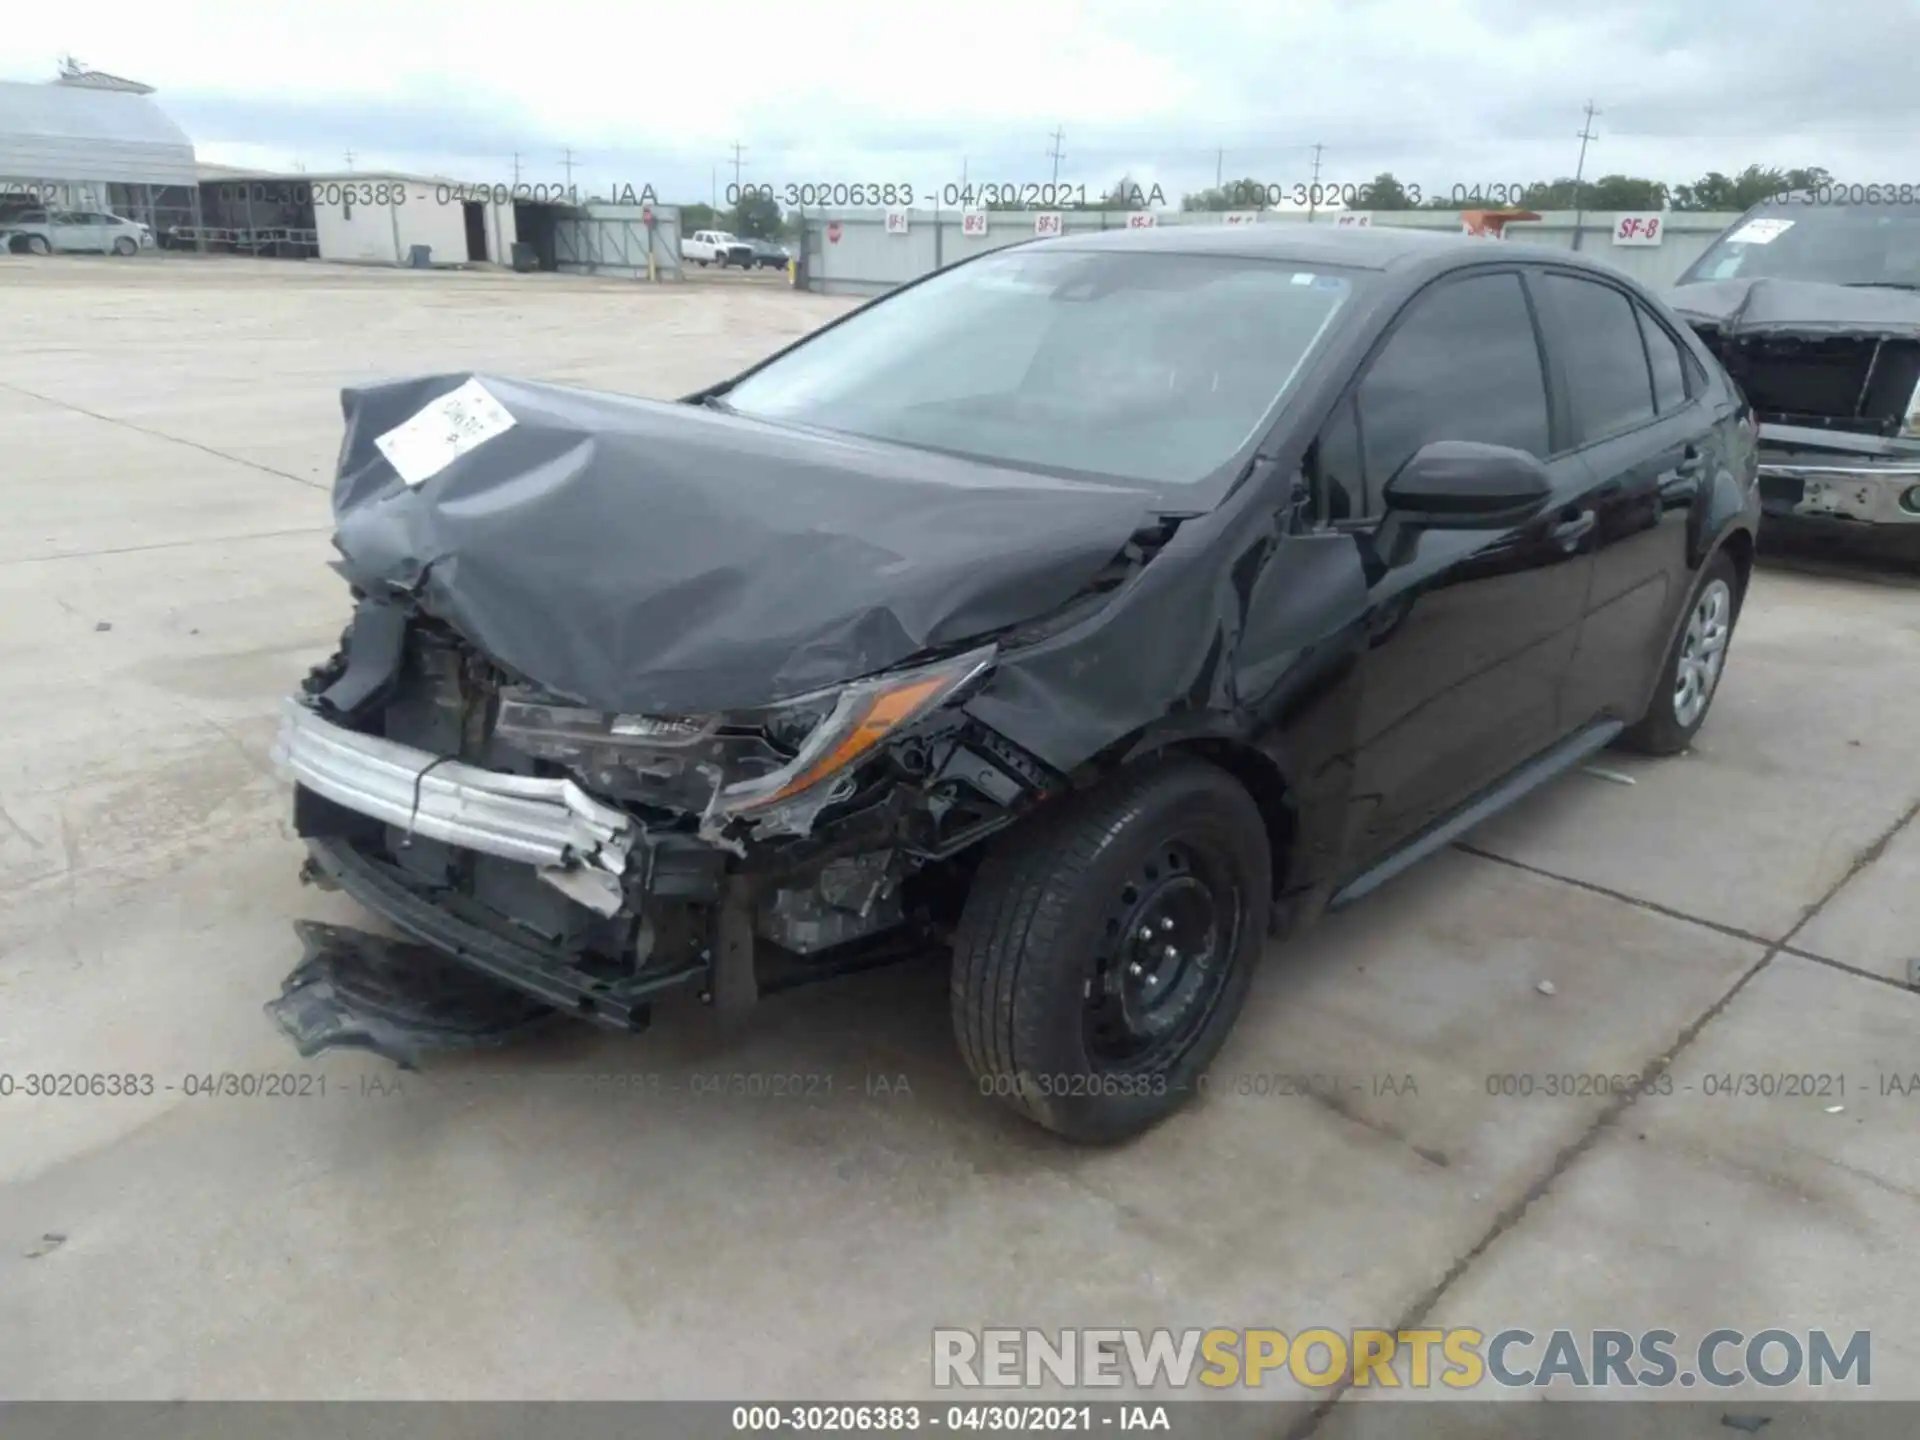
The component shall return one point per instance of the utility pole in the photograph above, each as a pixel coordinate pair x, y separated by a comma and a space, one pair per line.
1058, 136
1219, 166
349, 160
568, 165
1580, 171
516, 170
1313, 186
738, 151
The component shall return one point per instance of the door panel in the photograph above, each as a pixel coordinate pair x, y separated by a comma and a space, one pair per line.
1470, 643
1649, 448
69, 231
1470, 638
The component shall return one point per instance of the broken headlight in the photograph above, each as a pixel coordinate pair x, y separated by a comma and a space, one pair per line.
752, 763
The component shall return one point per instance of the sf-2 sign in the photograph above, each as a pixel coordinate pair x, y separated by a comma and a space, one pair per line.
973, 222
1641, 229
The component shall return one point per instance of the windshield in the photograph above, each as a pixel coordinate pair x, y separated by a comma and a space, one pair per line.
1145, 367
1842, 244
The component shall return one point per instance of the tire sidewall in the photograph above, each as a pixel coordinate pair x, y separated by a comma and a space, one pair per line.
1108, 1104
1719, 568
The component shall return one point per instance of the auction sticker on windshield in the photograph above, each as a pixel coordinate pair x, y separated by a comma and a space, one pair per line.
443, 431
1760, 232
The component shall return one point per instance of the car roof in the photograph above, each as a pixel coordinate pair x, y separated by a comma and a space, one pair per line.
1370, 247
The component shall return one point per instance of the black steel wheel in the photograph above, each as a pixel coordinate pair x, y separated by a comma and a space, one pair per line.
1106, 947
1165, 955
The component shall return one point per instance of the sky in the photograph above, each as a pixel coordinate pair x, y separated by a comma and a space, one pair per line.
1443, 93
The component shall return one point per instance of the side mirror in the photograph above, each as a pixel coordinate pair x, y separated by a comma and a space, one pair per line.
1464, 485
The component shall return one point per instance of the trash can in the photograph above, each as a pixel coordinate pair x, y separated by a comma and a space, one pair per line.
420, 257
525, 258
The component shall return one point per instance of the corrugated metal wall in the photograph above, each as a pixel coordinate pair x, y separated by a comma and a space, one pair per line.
604, 239
866, 260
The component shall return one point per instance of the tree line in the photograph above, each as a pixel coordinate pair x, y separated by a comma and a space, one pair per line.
1712, 191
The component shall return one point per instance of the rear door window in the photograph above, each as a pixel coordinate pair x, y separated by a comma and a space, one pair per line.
1605, 359
1667, 362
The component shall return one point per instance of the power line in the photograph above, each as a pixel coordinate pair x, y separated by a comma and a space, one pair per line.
1058, 136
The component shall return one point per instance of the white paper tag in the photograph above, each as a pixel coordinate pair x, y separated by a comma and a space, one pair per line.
1760, 232
443, 431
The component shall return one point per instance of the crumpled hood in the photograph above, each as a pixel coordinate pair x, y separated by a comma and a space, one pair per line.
1806, 307
638, 555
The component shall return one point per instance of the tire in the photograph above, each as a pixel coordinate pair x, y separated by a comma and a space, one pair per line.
124, 246
37, 245
1058, 953
1680, 709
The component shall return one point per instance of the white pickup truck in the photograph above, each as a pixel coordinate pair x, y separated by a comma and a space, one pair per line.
716, 247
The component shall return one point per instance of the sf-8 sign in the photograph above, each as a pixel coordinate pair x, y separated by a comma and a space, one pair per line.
1642, 229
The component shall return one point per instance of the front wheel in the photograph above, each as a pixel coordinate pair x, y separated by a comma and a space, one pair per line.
126, 246
1106, 948
1692, 673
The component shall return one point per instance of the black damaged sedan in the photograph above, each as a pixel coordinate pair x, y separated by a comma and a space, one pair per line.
1087, 610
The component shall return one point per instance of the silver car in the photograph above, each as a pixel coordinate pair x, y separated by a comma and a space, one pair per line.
44, 231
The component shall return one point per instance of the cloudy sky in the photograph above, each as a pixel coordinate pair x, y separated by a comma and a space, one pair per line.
1441, 92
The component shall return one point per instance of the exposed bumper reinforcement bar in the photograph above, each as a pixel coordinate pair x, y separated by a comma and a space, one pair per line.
580, 845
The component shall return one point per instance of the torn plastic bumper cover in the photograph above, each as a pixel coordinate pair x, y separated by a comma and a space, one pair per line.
578, 844
352, 990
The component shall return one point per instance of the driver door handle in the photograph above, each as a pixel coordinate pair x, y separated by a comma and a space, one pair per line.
1573, 527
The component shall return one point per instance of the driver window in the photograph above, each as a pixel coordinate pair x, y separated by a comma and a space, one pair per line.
1462, 364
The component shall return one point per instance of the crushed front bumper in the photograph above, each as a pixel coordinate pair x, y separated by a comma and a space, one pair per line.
578, 845
543, 972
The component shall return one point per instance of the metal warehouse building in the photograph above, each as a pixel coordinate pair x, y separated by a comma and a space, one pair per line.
89, 141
